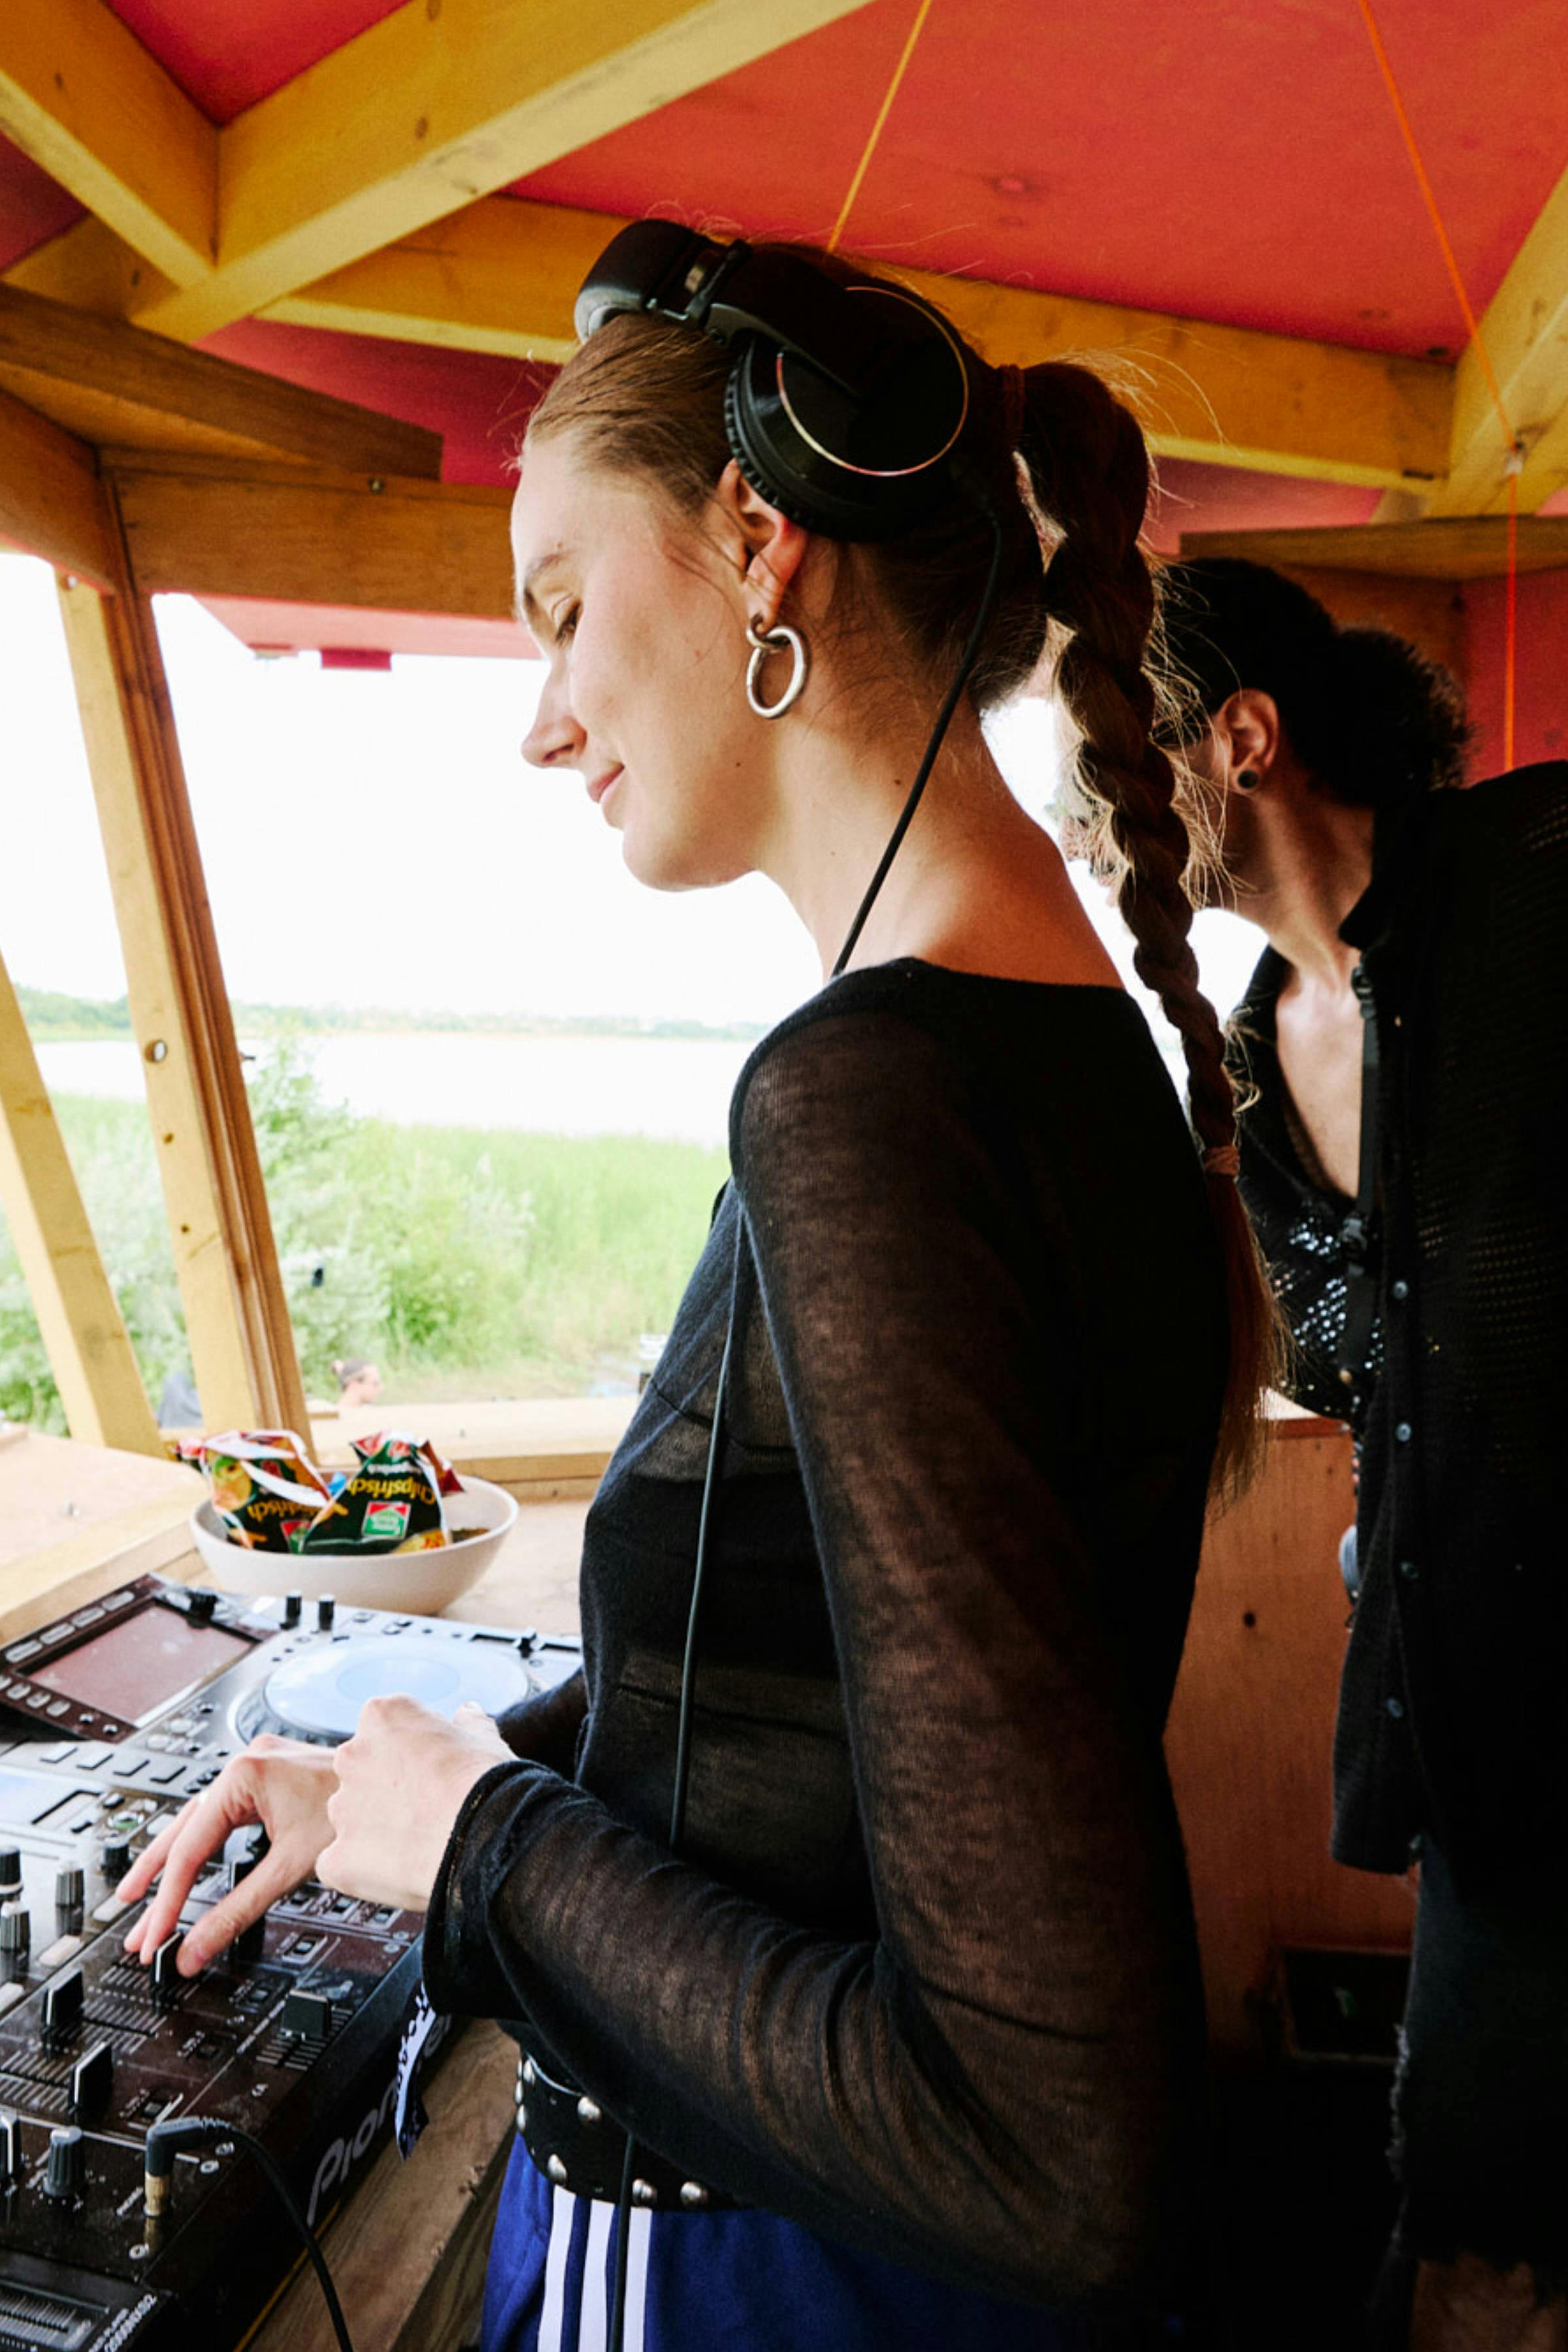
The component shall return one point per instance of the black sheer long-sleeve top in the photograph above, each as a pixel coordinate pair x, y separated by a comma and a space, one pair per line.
923, 1977
1452, 1710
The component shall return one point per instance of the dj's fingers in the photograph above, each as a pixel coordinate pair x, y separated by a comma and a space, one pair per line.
150, 1861
216, 1929
192, 1837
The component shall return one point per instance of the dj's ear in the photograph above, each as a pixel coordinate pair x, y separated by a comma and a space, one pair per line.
769, 549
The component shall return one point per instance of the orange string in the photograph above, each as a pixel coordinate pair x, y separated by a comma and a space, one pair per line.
885, 107
1512, 449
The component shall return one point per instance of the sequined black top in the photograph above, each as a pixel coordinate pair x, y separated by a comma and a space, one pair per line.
1452, 1713
923, 1978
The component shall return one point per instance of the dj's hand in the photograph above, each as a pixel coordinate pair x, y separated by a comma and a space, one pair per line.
284, 1784
402, 1779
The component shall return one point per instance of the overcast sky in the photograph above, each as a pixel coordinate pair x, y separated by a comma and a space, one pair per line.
374, 838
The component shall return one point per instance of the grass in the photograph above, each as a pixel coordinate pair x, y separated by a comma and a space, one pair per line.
464, 1263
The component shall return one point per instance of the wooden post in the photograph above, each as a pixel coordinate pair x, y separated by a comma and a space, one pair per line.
84, 1334
236, 1316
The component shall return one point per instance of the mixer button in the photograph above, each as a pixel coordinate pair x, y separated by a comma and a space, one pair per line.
20, 1650
293, 1602
162, 1774
202, 1607
63, 1947
110, 1909
89, 1616
37, 1699
92, 2077
114, 1859
63, 2003
91, 1759
15, 1929
10, 1995
326, 1610
59, 1707
166, 1978
10, 2146
309, 2015
10, 1870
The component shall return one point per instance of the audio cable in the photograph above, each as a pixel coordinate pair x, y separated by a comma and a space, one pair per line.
163, 2142
986, 606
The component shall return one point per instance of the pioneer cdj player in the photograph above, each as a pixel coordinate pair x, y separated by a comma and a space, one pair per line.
109, 1720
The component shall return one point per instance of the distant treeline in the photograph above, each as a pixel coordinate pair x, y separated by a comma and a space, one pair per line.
53, 1019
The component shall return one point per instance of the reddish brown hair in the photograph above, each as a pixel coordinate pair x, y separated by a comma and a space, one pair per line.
648, 398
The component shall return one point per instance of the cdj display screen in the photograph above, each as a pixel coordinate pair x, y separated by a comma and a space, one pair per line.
138, 1666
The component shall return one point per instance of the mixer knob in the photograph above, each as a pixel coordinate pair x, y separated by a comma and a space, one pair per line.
63, 1999
10, 2146
91, 2079
10, 1872
201, 1606
71, 1888
326, 1610
115, 1859
293, 1602
66, 2175
15, 1929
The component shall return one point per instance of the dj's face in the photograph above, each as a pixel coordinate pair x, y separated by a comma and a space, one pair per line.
641, 621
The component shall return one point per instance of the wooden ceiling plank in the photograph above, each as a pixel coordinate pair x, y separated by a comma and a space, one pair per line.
210, 527
1525, 330
51, 500
440, 102
501, 275
80, 95
1454, 547
175, 390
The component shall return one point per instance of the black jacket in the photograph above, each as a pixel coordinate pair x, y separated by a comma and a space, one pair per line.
1454, 1703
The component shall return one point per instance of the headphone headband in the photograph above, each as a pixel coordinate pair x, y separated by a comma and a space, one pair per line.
844, 401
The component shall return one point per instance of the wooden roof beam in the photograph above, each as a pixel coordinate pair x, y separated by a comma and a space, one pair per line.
440, 102
113, 382
51, 500
80, 95
213, 526
1525, 329
500, 276
1454, 547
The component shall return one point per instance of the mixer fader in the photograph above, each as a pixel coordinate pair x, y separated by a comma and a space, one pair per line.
291, 2036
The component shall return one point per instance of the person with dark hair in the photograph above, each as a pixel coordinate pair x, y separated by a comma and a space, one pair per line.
904, 2046
1406, 1039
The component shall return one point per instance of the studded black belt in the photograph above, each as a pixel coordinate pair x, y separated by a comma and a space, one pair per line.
580, 2149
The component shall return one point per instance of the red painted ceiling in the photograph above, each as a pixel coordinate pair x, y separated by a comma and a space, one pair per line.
1233, 159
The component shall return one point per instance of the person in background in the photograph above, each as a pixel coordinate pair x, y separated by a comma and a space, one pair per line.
1406, 1034
358, 1382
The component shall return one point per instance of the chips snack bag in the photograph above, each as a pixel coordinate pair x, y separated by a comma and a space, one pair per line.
263, 1487
392, 1500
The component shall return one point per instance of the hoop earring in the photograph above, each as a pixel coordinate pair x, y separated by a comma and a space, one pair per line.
762, 643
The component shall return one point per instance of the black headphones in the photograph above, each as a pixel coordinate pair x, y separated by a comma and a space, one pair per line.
846, 403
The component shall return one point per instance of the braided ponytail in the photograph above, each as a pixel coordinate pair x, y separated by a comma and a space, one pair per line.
1088, 473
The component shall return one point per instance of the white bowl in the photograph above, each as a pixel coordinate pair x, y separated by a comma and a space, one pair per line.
417, 1584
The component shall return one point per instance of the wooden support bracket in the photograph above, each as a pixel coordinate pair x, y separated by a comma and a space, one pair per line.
83, 1331
236, 1316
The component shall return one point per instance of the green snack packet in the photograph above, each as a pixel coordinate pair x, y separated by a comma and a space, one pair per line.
390, 1501
263, 1487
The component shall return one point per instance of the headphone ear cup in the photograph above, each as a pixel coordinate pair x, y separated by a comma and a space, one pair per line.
796, 472
790, 497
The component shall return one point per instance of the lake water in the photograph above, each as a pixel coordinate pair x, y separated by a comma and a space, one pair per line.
677, 1087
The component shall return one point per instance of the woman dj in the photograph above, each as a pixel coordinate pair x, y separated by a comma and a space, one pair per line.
908, 2039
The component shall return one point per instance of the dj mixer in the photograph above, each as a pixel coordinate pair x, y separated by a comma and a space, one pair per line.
109, 1720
